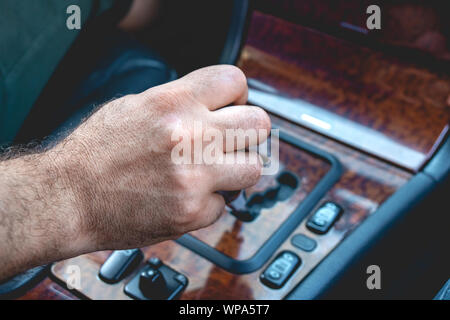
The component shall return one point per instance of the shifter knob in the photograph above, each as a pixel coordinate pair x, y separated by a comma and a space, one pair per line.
240, 209
152, 284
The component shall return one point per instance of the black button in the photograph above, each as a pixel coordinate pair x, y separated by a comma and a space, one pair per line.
119, 264
156, 281
324, 218
154, 262
152, 284
280, 270
303, 242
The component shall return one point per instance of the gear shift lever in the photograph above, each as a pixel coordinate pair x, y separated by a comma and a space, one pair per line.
240, 210
248, 208
236, 201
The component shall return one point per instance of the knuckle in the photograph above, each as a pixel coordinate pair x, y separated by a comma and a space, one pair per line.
237, 76
167, 97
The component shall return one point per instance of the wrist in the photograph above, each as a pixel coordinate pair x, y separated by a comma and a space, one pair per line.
65, 181
40, 222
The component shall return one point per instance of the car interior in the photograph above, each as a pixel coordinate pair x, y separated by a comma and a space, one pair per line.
364, 155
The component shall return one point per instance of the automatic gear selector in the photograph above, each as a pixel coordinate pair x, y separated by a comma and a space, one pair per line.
248, 209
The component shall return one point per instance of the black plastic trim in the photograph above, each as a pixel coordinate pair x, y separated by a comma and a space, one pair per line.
20, 284
236, 33
282, 233
444, 293
439, 166
362, 238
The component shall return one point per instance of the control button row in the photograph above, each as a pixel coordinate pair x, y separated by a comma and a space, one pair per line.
155, 281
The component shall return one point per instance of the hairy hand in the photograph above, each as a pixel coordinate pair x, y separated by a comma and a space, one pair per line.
128, 190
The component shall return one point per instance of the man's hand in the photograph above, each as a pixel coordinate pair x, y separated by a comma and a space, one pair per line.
113, 184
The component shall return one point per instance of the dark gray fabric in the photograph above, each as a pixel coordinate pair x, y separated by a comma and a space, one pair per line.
117, 66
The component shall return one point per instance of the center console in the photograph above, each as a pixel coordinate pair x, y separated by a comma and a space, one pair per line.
357, 125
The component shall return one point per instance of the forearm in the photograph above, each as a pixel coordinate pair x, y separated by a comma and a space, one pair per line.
38, 218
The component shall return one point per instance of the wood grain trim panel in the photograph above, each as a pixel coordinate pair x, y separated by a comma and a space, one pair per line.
402, 110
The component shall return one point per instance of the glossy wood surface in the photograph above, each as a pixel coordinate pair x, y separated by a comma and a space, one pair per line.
366, 86
407, 27
49, 290
405, 104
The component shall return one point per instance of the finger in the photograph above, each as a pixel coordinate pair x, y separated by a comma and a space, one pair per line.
213, 209
238, 170
241, 126
217, 86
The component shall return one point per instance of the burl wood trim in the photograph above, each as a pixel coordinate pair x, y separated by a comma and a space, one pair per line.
405, 102
48, 290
